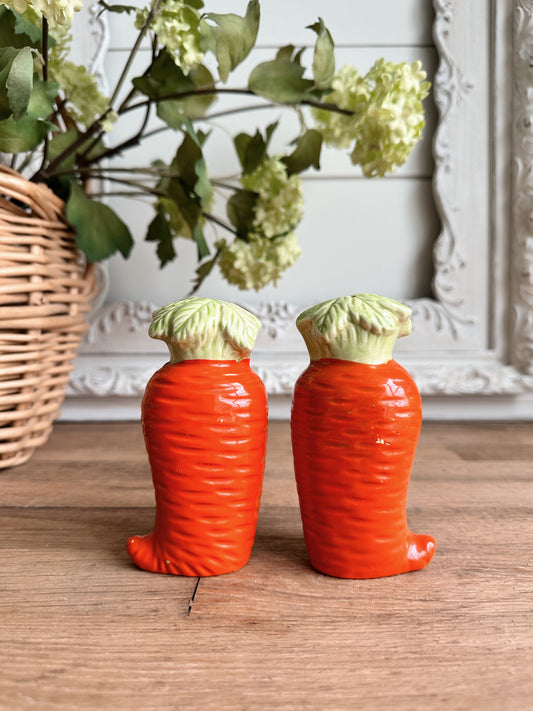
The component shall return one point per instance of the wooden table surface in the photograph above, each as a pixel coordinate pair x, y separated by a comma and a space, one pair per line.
82, 628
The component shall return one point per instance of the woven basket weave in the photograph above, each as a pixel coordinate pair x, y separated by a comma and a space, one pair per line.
45, 291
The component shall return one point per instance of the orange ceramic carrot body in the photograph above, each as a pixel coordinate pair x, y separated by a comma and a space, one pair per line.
356, 417
354, 432
205, 425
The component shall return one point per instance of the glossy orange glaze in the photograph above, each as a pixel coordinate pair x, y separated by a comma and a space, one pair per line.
205, 427
354, 430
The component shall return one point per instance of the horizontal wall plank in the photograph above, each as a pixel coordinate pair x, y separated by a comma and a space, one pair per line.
355, 22
365, 235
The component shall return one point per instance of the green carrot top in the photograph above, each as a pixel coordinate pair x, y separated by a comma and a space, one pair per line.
200, 328
362, 328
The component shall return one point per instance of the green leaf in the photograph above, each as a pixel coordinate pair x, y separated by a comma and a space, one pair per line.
269, 132
196, 106
119, 9
99, 231
187, 192
191, 165
174, 206
62, 140
16, 81
306, 153
297, 59
171, 112
32, 32
185, 161
184, 215
16, 31
159, 231
195, 4
286, 52
281, 81
234, 37
182, 208
201, 244
240, 210
204, 270
252, 150
163, 78
42, 98
324, 56
24, 134
174, 112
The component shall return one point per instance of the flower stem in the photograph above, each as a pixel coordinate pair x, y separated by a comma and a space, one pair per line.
216, 115
96, 125
202, 91
205, 91
26, 162
217, 221
240, 109
134, 184
100, 172
144, 29
69, 150
44, 43
119, 193
135, 140
225, 186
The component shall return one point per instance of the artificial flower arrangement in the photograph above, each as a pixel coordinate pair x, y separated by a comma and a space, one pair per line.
57, 127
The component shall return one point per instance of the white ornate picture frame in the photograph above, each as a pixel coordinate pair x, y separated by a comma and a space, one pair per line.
471, 351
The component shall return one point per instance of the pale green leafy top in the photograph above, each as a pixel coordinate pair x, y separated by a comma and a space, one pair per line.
205, 329
361, 328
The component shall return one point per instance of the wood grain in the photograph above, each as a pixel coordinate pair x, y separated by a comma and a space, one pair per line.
82, 628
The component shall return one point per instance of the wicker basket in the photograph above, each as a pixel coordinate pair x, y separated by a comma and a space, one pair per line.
45, 290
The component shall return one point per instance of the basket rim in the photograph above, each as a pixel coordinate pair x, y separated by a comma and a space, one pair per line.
42, 201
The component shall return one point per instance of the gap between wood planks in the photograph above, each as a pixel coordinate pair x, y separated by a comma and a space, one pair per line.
193, 596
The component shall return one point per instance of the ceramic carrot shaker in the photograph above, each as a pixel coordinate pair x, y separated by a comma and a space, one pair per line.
356, 417
204, 418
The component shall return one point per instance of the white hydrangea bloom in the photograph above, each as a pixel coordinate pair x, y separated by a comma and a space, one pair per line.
19, 6
57, 12
85, 100
279, 207
394, 120
387, 119
258, 262
350, 92
177, 27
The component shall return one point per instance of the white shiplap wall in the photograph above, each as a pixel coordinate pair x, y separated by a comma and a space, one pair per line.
471, 347
357, 234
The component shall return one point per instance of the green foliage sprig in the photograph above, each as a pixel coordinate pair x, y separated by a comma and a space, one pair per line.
55, 123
